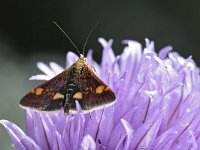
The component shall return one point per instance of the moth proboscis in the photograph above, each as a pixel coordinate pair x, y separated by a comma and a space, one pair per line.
77, 83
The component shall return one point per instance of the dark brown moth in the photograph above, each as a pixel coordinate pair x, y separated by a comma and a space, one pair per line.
77, 83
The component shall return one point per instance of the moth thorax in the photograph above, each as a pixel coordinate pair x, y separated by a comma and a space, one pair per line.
81, 62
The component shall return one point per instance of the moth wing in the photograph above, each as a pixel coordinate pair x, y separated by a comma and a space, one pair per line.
48, 96
92, 93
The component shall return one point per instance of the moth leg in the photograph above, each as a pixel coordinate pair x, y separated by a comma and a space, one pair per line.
90, 115
66, 108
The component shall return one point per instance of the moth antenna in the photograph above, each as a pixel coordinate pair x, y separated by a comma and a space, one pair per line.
89, 36
67, 37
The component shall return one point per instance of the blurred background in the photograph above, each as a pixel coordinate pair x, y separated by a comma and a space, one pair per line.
27, 35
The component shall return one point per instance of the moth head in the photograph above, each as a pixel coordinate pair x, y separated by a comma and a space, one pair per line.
82, 60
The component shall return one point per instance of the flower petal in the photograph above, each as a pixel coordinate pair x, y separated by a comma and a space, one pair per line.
108, 57
129, 61
44, 68
101, 120
146, 134
181, 135
164, 52
74, 129
57, 69
157, 97
39, 132
71, 58
19, 139
88, 143
124, 143
92, 63
30, 124
40, 77
149, 46
58, 143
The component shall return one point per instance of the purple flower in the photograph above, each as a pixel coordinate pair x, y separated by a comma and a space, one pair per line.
157, 105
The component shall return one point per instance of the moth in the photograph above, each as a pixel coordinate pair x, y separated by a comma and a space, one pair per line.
77, 83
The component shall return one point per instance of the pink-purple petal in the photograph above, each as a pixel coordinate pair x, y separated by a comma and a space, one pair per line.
40, 77
157, 105
30, 124
56, 68
146, 133
19, 139
164, 52
57, 142
88, 143
39, 132
70, 59
46, 69
129, 134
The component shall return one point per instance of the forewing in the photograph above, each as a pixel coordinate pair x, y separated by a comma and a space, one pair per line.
48, 96
91, 92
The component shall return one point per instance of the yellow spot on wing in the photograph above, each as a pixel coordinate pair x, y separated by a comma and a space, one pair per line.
78, 95
100, 89
58, 96
38, 91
